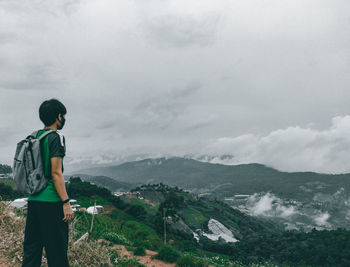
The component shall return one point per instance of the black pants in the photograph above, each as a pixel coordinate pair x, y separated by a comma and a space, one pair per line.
45, 228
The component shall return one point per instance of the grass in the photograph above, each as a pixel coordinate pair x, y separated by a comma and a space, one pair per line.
8, 181
186, 196
90, 201
101, 226
120, 215
193, 217
148, 207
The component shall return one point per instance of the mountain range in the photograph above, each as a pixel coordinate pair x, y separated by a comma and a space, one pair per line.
225, 180
300, 200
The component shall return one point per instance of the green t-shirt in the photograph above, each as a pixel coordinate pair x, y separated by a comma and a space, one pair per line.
53, 145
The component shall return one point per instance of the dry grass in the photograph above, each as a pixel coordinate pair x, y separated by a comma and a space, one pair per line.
12, 233
89, 254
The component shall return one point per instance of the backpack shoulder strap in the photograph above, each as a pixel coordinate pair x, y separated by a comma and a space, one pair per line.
32, 135
45, 134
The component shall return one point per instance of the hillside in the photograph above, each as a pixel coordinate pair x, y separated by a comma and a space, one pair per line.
127, 224
192, 214
203, 226
301, 201
200, 230
105, 181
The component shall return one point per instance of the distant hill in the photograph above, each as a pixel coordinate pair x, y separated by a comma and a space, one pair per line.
4, 169
224, 180
104, 181
8, 190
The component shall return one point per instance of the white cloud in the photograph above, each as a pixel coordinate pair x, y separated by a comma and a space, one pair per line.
263, 205
323, 212
321, 219
269, 205
291, 149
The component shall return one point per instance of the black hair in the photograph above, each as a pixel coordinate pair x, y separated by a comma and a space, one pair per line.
49, 110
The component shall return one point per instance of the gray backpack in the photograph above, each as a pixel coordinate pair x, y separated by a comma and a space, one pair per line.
28, 169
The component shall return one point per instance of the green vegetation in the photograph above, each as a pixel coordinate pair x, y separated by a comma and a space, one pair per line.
107, 182
4, 169
168, 254
102, 225
316, 248
116, 238
90, 201
139, 251
7, 190
260, 240
128, 224
129, 221
193, 217
191, 261
8, 181
148, 207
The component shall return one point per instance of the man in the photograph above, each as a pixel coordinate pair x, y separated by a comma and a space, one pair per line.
49, 211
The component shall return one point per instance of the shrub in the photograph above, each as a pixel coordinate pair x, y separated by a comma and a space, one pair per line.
139, 251
7, 193
186, 261
168, 254
115, 238
190, 261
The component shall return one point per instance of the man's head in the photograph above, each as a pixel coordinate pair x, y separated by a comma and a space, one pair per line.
52, 111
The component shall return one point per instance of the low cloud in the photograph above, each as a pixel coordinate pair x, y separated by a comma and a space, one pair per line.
269, 205
291, 149
297, 215
322, 218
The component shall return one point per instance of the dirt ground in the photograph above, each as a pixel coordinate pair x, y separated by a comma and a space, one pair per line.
145, 260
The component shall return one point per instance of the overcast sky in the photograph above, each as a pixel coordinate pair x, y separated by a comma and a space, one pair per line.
263, 80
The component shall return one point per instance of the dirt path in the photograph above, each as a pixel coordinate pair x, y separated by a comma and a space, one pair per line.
145, 260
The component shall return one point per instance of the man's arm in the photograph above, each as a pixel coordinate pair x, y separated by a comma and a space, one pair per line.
58, 180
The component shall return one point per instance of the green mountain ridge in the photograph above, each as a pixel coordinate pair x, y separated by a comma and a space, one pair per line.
297, 200
207, 177
104, 181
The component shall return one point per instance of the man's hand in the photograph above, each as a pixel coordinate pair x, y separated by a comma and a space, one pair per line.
68, 212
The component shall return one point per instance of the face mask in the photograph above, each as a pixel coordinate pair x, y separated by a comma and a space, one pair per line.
62, 123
